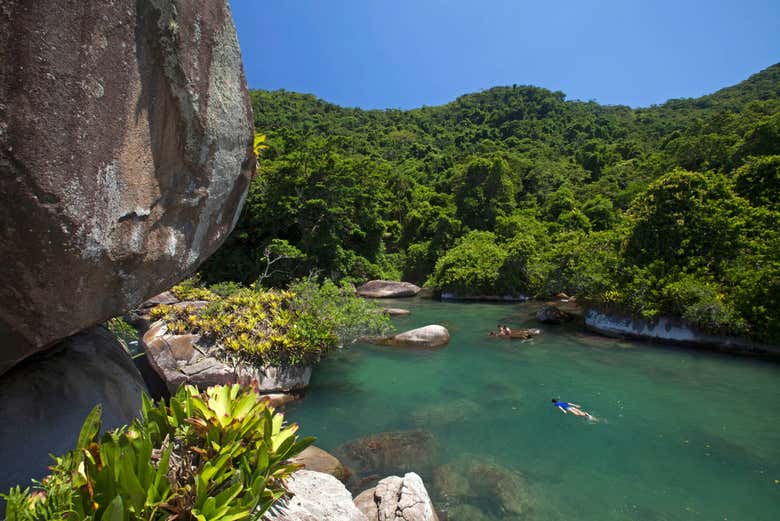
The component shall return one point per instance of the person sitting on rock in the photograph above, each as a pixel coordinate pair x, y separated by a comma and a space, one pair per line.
568, 407
507, 331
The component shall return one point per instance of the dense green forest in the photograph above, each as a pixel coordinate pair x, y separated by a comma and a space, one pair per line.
667, 210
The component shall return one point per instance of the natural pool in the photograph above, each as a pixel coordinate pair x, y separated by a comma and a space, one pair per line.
683, 434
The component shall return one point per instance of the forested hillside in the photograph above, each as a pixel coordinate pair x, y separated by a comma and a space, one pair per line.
667, 210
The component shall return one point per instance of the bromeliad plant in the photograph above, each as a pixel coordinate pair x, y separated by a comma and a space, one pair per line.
220, 455
282, 328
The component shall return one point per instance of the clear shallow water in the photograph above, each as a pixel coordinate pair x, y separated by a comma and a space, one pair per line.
682, 434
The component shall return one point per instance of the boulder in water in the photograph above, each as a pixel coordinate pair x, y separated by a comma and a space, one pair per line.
552, 315
318, 460
125, 157
472, 478
314, 496
397, 499
387, 289
390, 453
422, 337
396, 312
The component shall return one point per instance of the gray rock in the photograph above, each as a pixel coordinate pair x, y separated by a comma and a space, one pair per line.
396, 312
422, 337
314, 496
551, 315
397, 499
46, 399
166, 297
125, 157
387, 289
180, 360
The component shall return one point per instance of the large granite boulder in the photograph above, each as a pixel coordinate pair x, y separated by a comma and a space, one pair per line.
387, 289
125, 156
44, 401
314, 496
397, 499
181, 360
422, 337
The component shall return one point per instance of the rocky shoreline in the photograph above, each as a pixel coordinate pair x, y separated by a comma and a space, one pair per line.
673, 331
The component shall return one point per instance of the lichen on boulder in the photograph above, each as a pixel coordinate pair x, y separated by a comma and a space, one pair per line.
125, 157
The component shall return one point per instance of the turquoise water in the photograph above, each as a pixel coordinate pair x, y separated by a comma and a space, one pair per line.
681, 435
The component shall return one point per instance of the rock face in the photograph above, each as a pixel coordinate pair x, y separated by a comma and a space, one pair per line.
422, 337
125, 156
314, 496
46, 399
387, 289
397, 499
180, 360
670, 330
318, 460
551, 315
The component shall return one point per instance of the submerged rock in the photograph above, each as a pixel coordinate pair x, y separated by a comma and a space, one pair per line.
318, 460
387, 289
181, 360
397, 499
423, 337
552, 315
443, 413
45, 400
314, 496
390, 453
473, 478
396, 312
125, 157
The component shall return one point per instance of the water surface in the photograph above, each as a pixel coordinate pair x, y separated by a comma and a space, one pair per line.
682, 434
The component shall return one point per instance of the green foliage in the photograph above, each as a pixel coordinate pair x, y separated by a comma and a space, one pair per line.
123, 331
218, 455
688, 187
288, 328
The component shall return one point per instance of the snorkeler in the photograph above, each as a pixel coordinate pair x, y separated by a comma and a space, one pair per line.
573, 408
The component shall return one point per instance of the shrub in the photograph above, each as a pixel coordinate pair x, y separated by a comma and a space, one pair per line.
219, 455
273, 327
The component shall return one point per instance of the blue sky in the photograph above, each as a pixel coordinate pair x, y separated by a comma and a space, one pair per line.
409, 53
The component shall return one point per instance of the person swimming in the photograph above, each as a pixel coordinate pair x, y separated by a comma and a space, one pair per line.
568, 407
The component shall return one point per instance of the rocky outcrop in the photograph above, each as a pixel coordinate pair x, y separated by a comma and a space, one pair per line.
552, 315
181, 360
387, 289
318, 460
44, 401
314, 496
125, 156
390, 453
672, 331
397, 499
422, 337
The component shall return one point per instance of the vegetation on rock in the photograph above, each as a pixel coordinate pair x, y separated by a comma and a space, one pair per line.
219, 455
289, 327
